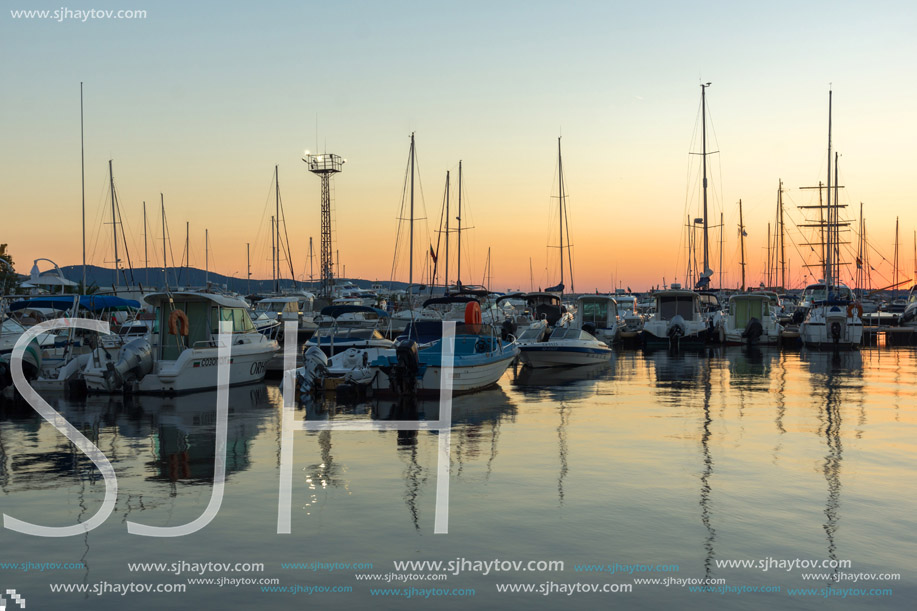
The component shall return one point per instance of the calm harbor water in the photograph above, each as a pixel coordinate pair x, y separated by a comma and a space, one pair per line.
672, 465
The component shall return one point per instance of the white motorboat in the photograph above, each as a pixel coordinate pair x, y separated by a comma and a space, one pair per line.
751, 318
630, 324
182, 354
677, 320
285, 308
598, 316
568, 345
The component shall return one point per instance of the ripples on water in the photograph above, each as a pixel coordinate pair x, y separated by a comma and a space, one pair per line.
653, 458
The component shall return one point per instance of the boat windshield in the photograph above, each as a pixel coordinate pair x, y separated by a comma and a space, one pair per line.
12, 326
594, 311
670, 306
565, 333
241, 322
531, 334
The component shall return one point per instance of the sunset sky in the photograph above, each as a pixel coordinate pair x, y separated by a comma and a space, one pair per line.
200, 100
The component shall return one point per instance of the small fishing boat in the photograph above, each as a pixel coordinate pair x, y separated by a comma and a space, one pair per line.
568, 345
598, 316
182, 355
414, 365
677, 321
751, 318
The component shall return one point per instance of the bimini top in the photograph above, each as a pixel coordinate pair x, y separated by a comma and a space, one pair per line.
156, 299
337, 310
93, 303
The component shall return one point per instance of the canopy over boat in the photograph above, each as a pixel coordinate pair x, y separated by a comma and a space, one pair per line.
93, 303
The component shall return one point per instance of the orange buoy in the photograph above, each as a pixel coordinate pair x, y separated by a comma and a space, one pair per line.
178, 323
473, 315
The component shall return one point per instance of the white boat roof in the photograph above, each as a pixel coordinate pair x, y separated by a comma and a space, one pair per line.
156, 299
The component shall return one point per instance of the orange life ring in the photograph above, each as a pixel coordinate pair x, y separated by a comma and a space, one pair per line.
473, 314
178, 321
856, 305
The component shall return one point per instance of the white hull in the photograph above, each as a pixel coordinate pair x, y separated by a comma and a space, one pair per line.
831, 327
548, 355
194, 370
468, 378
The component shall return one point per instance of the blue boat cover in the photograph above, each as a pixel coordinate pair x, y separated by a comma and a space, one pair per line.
93, 303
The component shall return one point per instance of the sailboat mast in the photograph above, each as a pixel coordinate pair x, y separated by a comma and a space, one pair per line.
828, 253
411, 247
782, 236
560, 198
769, 265
273, 256
206, 257
165, 275
248, 266
895, 293
458, 269
703, 113
446, 279
277, 227
146, 259
114, 226
83, 184
742, 243
721, 250
187, 252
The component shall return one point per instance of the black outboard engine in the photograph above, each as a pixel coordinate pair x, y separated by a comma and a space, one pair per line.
677, 328
753, 331
507, 329
799, 315
589, 327
836, 331
403, 377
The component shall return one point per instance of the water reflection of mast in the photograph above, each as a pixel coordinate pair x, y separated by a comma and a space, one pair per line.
781, 403
562, 450
705, 476
832, 467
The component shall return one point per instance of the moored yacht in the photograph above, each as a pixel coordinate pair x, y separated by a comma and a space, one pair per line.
182, 354
677, 320
751, 318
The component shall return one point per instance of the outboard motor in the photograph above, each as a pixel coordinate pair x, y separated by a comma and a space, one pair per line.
507, 329
134, 362
753, 331
836, 331
403, 377
677, 328
589, 328
311, 375
799, 315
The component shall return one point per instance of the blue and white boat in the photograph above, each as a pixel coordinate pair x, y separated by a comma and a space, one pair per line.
415, 363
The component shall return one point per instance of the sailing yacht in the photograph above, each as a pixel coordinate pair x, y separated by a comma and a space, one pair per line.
835, 319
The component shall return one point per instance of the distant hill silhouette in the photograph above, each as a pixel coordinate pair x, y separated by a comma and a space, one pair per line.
191, 277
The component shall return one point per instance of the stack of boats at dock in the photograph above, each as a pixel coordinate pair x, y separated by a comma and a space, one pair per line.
170, 344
